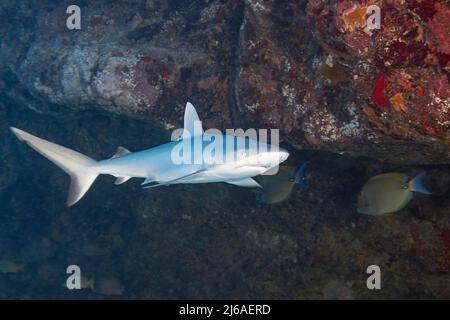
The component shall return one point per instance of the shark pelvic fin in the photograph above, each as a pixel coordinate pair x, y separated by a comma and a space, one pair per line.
120, 152
121, 180
147, 181
247, 182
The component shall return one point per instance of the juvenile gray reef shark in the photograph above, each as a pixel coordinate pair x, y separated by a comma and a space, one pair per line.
233, 159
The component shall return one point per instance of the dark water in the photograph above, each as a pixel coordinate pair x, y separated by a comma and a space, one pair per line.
203, 241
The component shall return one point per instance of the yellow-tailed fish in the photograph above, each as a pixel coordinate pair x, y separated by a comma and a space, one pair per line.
278, 187
109, 286
7, 266
389, 192
86, 283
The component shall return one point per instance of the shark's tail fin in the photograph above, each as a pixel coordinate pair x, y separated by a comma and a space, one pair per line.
77, 165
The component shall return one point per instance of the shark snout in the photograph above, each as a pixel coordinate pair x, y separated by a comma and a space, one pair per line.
283, 154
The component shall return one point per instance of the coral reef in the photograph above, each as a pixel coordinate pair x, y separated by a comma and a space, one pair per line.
130, 59
313, 68
387, 85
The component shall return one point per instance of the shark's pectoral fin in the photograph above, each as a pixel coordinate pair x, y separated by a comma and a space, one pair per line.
247, 182
120, 152
121, 180
154, 185
148, 181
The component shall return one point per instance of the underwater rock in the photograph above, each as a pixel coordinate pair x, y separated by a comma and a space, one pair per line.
312, 68
317, 87
130, 59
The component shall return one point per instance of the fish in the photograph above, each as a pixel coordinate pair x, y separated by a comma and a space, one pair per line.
91, 250
7, 266
109, 286
86, 283
161, 166
277, 188
389, 192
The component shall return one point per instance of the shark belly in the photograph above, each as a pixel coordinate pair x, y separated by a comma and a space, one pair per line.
235, 169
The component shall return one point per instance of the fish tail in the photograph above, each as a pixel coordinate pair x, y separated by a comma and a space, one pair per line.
417, 184
300, 175
77, 165
91, 284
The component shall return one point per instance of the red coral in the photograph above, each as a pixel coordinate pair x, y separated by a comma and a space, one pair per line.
424, 112
377, 94
400, 53
440, 28
423, 8
405, 84
420, 91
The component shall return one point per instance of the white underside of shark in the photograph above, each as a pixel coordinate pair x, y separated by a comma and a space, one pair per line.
156, 164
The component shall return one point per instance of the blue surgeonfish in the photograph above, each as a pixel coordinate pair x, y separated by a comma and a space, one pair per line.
109, 286
86, 283
217, 158
7, 266
389, 192
277, 188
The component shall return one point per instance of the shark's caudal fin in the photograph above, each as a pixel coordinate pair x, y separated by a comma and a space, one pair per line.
74, 163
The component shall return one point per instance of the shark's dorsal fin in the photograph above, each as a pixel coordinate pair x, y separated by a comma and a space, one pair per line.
192, 123
120, 152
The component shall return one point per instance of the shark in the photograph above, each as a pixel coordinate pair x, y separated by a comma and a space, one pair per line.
240, 160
